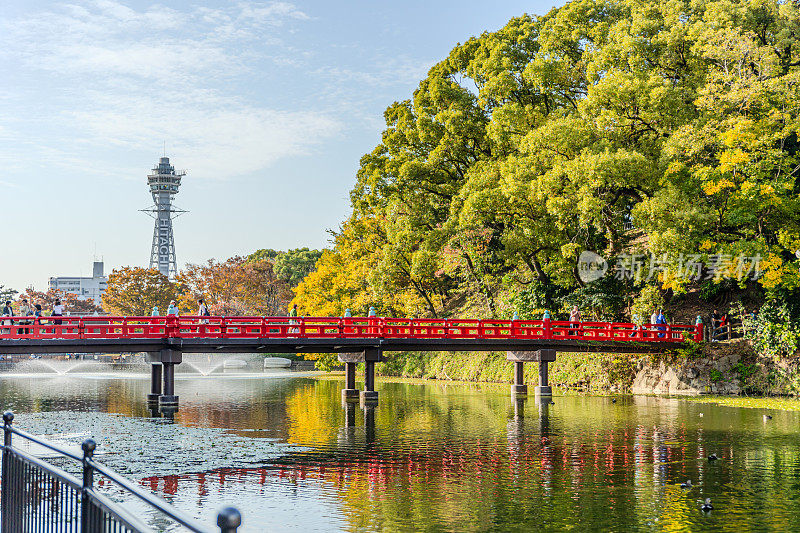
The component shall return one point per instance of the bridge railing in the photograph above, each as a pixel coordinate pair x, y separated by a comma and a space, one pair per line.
249, 327
620, 331
38, 496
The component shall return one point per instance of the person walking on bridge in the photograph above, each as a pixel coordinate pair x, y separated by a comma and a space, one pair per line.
8, 311
58, 310
25, 311
653, 320
202, 310
574, 319
661, 321
293, 313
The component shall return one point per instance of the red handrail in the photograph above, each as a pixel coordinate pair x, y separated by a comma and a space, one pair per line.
159, 327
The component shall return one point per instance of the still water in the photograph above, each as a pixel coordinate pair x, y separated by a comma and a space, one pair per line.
431, 456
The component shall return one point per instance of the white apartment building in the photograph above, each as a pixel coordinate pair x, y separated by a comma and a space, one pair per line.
85, 288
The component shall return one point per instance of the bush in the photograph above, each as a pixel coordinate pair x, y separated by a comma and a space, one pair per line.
774, 331
648, 300
531, 300
604, 299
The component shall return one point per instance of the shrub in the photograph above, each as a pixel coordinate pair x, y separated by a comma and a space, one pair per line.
774, 331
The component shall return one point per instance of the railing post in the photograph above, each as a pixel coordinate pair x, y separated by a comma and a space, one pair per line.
172, 326
88, 446
698, 329
8, 418
6, 493
229, 519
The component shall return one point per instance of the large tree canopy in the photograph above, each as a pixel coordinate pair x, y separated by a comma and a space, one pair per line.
554, 134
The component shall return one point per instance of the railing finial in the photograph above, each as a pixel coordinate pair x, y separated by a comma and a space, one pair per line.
88, 446
229, 519
8, 417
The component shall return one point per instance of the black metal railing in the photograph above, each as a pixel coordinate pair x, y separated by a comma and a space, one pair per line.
37, 496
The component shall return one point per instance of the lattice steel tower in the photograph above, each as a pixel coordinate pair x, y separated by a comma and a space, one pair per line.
164, 183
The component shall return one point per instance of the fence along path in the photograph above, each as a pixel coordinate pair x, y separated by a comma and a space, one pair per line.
252, 327
37, 496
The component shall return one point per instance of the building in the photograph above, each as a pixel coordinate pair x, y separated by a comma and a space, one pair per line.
85, 288
164, 183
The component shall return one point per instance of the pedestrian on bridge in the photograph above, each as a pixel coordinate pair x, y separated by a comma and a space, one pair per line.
58, 310
202, 310
661, 321
8, 312
293, 313
26, 311
654, 320
574, 319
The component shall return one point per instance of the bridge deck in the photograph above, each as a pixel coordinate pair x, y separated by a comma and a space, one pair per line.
194, 334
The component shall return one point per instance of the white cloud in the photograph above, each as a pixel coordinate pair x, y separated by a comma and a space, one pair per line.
126, 77
216, 137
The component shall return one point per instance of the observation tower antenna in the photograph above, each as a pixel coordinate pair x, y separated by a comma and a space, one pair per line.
164, 183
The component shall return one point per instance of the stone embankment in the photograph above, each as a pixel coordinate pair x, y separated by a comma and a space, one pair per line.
691, 378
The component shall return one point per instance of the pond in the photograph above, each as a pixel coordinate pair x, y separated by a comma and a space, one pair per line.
431, 456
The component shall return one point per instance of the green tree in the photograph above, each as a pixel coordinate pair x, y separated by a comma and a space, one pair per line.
550, 136
294, 265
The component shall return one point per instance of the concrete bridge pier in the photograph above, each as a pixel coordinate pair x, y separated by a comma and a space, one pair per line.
369, 357
169, 397
155, 383
350, 392
519, 388
544, 388
165, 360
369, 394
519, 358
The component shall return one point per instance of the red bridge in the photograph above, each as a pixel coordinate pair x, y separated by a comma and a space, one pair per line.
356, 339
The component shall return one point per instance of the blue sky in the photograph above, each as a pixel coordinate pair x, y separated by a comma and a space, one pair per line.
267, 105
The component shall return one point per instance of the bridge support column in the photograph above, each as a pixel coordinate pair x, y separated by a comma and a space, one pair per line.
369, 394
543, 357
544, 388
350, 392
519, 388
169, 397
162, 367
155, 383
371, 356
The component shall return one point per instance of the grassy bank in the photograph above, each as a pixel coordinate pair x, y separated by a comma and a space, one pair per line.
597, 372
712, 364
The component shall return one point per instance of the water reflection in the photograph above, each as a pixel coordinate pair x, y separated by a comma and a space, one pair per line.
457, 457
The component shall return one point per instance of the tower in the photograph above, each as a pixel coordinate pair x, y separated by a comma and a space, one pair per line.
164, 183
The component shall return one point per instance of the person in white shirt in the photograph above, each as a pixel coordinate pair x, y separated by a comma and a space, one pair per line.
574, 318
58, 310
202, 310
654, 320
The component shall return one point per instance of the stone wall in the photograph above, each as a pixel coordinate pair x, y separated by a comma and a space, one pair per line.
705, 376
